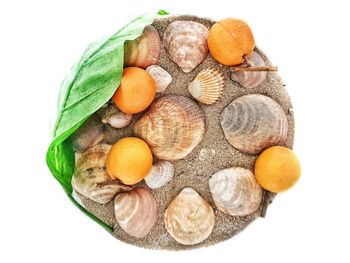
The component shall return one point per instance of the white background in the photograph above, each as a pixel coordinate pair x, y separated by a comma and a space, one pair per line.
308, 40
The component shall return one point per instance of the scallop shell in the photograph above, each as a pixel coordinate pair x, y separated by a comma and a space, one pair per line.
189, 219
90, 170
235, 191
254, 122
144, 50
160, 76
186, 43
173, 126
136, 211
251, 79
116, 118
160, 174
88, 135
207, 87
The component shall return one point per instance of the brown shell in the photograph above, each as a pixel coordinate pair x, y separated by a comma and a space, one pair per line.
144, 50
136, 211
186, 43
254, 122
173, 126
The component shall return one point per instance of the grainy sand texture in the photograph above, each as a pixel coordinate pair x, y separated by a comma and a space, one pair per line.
213, 154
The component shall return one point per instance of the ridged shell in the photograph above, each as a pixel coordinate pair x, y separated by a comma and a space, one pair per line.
254, 122
173, 126
207, 87
160, 174
88, 135
116, 118
136, 212
90, 170
189, 219
235, 191
186, 43
144, 50
251, 79
160, 76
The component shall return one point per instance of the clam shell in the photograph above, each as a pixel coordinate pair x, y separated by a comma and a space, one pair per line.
235, 191
160, 76
186, 43
160, 174
116, 118
254, 122
144, 50
173, 126
251, 79
207, 87
90, 170
88, 134
189, 219
136, 211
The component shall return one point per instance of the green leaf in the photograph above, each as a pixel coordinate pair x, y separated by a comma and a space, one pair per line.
163, 12
90, 84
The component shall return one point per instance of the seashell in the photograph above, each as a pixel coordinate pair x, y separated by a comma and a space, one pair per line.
251, 79
235, 191
254, 122
90, 170
186, 43
144, 50
173, 126
160, 174
88, 135
189, 219
207, 87
136, 211
116, 118
160, 76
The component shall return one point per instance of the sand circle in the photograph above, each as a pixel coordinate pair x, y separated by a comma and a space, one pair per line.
213, 154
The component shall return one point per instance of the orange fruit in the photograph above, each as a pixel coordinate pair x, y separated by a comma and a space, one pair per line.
277, 169
229, 40
129, 160
135, 92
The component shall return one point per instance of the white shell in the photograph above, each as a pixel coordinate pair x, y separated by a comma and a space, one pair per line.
160, 174
251, 79
189, 219
253, 123
207, 87
136, 211
116, 118
235, 191
186, 43
160, 76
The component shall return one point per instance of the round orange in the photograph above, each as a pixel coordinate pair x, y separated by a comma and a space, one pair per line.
229, 40
129, 160
277, 169
135, 92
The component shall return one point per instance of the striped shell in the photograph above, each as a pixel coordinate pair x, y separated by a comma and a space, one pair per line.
254, 122
173, 126
186, 43
207, 87
89, 170
136, 212
160, 76
116, 118
235, 191
189, 219
160, 174
251, 79
88, 135
144, 50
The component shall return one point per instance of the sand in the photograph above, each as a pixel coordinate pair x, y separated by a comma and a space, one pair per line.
213, 154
